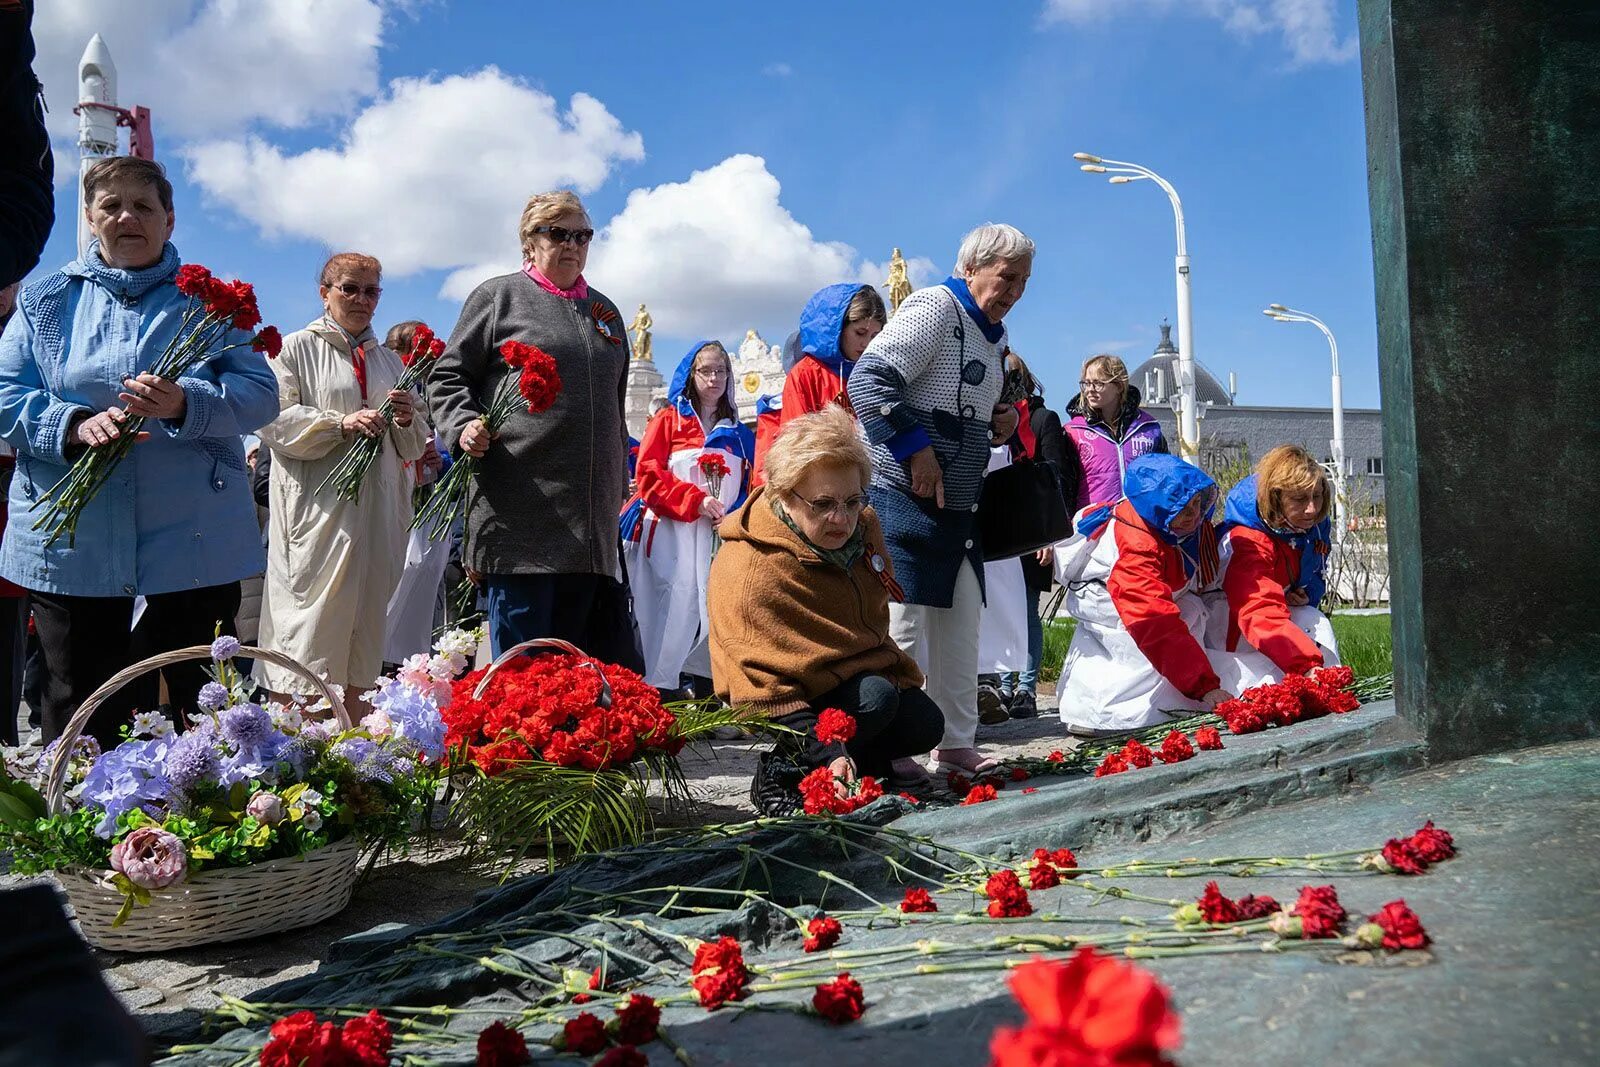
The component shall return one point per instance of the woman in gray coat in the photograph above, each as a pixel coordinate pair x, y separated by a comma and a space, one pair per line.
542, 519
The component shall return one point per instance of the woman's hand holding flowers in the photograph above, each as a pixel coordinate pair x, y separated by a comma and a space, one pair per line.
404, 406
367, 422
101, 428
475, 438
154, 397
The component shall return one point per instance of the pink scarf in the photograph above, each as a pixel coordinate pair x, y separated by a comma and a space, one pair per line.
577, 292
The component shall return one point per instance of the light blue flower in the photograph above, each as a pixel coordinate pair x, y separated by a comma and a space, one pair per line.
247, 726
224, 648
132, 775
213, 696
414, 715
193, 757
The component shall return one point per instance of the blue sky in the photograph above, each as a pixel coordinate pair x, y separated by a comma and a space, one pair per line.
739, 155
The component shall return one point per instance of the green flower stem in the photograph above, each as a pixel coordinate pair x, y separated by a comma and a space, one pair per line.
679, 1053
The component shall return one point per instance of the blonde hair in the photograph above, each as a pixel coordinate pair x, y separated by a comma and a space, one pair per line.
828, 437
1289, 469
1114, 368
543, 209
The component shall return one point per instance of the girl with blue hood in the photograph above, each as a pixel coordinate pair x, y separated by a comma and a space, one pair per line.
1134, 571
669, 525
836, 326
1274, 554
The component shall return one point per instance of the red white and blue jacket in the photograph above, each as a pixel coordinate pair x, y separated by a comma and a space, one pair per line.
1262, 564
818, 378
672, 432
1128, 546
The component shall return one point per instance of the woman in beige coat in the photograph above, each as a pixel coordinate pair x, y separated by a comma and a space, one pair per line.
331, 563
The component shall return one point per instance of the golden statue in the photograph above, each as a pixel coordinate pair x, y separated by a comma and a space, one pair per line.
898, 284
641, 334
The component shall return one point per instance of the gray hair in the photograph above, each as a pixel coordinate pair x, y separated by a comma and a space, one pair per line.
989, 242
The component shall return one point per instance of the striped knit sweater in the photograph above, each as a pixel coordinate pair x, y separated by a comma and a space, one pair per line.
930, 378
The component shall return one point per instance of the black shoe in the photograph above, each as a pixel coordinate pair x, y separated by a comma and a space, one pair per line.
991, 710
1024, 705
775, 787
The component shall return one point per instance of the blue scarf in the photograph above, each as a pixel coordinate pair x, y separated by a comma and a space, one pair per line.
126, 283
991, 330
1313, 545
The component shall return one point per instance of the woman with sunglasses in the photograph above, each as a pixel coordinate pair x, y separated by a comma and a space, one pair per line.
542, 520
333, 563
694, 468
1108, 430
799, 606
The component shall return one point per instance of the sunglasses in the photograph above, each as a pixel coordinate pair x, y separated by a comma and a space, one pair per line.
371, 292
561, 235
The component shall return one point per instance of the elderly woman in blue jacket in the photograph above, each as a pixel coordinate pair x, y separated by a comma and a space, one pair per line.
175, 525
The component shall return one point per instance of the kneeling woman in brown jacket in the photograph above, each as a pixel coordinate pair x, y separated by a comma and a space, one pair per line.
799, 605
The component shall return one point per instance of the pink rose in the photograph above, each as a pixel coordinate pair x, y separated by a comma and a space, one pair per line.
150, 857
265, 808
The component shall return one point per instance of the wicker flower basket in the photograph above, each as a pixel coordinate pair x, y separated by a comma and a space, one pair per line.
224, 904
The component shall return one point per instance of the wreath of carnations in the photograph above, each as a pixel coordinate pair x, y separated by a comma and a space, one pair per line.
548, 708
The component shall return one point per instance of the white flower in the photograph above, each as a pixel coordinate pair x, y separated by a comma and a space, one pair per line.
312, 820
460, 643
378, 724
286, 718
310, 799
151, 724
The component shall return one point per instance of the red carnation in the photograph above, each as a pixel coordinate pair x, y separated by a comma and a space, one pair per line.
1042, 874
822, 933
1175, 748
299, 1038
1401, 927
835, 727
193, 280
584, 1034
1056, 757
819, 795
1091, 1010
719, 973
1319, 910
1019, 774
622, 1056
1432, 844
958, 783
840, 1001
367, 1040
1334, 677
269, 340
1254, 907
1030, 789
908, 797
638, 1020
1208, 738
867, 790
1216, 908
917, 900
1007, 898
1065, 861
713, 465
1402, 858
1114, 763
246, 314
979, 794
1137, 753
501, 1046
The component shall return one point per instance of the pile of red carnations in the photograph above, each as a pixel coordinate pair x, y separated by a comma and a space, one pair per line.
1295, 698
820, 796
299, 1039
547, 708
1175, 748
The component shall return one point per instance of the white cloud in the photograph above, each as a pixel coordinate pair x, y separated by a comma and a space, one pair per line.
778, 70
433, 175
719, 253
1306, 26
212, 66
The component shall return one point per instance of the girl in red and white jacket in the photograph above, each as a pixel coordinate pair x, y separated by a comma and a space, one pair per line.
1275, 547
693, 468
1134, 573
835, 327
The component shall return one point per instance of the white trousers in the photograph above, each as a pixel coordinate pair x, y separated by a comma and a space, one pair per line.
944, 642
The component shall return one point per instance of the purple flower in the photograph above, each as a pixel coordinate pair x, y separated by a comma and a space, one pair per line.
132, 775
372, 762
193, 757
247, 726
213, 696
224, 648
413, 715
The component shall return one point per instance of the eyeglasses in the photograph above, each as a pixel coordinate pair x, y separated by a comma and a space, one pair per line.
825, 506
711, 372
371, 292
1094, 387
561, 235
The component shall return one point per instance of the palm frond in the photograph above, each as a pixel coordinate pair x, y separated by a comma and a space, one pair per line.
566, 810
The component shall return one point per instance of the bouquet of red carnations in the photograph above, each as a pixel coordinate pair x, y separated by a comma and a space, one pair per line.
534, 387
351, 471
215, 308
714, 468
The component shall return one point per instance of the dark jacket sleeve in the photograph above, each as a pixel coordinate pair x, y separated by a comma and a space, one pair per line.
27, 199
261, 477
1051, 445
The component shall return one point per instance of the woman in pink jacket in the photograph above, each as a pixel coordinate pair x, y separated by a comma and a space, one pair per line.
1108, 430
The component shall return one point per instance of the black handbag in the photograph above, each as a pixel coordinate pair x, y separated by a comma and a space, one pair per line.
1022, 508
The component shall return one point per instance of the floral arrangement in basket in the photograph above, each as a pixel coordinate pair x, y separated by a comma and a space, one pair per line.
243, 784
350, 473
560, 747
216, 308
534, 386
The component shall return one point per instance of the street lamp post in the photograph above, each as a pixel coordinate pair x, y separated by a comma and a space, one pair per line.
1188, 410
1279, 313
